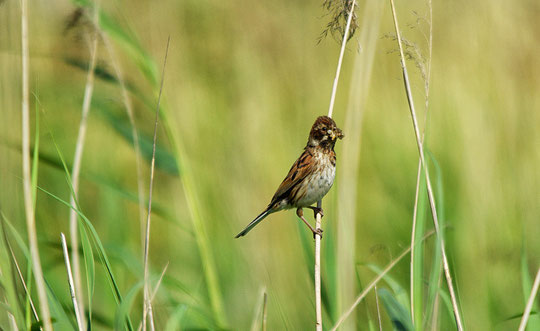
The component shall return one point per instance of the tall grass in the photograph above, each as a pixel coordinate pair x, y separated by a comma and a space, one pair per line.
244, 82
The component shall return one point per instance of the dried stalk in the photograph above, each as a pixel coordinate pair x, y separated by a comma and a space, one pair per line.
428, 181
147, 301
338, 70
70, 283
317, 267
415, 212
28, 203
318, 304
75, 172
530, 303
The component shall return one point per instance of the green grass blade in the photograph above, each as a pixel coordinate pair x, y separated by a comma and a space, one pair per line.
205, 251
418, 264
9, 281
435, 273
90, 269
61, 320
399, 292
100, 249
174, 321
128, 42
330, 275
399, 315
122, 313
164, 159
447, 303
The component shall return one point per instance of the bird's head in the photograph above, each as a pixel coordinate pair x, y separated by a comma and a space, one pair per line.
324, 133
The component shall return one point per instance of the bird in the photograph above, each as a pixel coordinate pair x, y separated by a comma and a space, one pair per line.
309, 178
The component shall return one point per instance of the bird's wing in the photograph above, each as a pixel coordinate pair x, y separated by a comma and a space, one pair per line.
299, 171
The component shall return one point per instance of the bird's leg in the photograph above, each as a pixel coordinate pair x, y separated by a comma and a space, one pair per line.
316, 210
300, 214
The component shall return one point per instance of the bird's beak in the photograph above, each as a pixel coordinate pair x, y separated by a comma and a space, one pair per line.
333, 136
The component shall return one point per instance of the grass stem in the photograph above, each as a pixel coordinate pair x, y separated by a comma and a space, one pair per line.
28, 203
418, 173
318, 218
76, 169
318, 304
530, 302
70, 283
429, 187
147, 301
340, 61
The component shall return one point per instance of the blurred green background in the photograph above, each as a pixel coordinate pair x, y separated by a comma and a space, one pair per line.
243, 84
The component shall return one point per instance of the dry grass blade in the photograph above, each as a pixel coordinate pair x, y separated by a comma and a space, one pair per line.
28, 203
76, 169
150, 310
427, 78
338, 70
159, 282
530, 302
70, 283
147, 301
374, 282
429, 187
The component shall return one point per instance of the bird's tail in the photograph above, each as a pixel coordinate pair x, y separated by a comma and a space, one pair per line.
254, 222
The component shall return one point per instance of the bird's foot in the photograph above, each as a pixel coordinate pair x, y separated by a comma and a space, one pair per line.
318, 231
316, 210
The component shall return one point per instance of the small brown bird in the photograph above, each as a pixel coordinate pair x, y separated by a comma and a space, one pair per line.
310, 177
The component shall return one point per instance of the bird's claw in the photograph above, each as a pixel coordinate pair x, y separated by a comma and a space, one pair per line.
318, 231
317, 211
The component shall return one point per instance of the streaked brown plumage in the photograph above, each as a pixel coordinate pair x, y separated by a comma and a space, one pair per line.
310, 177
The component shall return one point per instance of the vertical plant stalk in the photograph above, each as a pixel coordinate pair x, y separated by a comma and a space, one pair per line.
418, 176
76, 170
428, 181
530, 302
340, 61
147, 297
318, 218
318, 304
28, 203
70, 283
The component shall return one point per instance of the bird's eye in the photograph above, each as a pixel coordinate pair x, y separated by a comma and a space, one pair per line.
324, 128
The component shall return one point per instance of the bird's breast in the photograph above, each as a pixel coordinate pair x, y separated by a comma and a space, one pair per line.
318, 183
